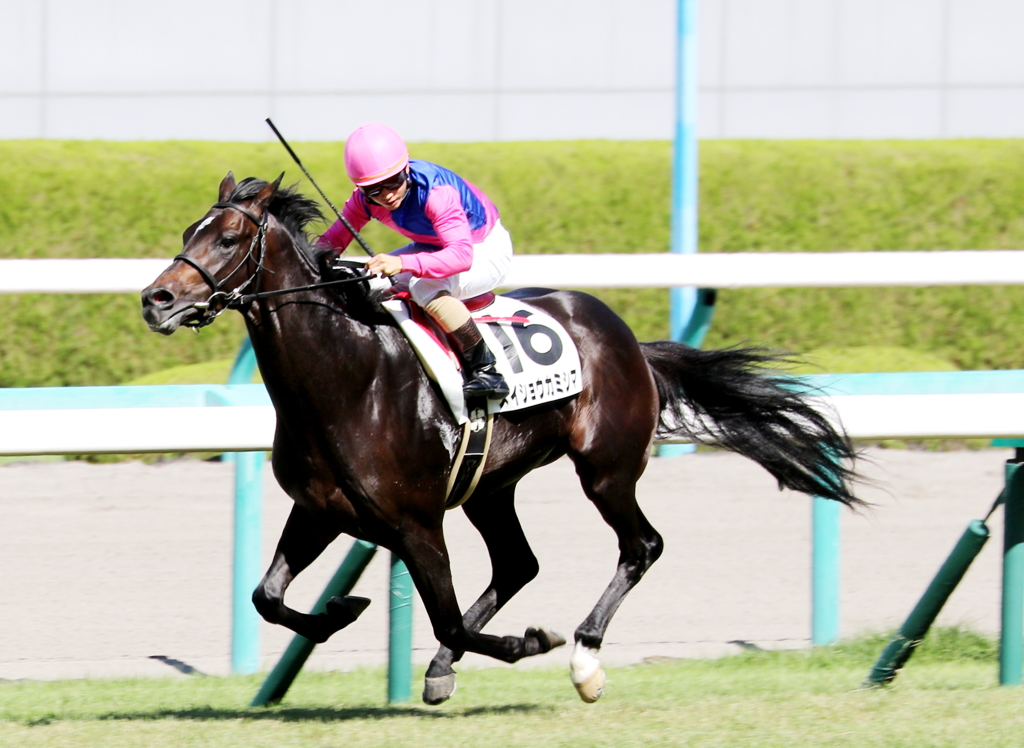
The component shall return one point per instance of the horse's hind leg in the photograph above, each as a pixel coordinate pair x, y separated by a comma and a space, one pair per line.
612, 488
513, 566
302, 541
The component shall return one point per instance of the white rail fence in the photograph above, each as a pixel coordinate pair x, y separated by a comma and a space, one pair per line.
251, 427
732, 270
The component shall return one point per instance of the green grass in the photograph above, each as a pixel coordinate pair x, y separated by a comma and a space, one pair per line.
869, 359
102, 199
833, 360
946, 697
208, 372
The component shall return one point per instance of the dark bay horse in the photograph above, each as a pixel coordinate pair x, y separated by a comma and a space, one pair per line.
365, 440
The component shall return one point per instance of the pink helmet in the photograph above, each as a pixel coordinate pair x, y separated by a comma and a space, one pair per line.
374, 152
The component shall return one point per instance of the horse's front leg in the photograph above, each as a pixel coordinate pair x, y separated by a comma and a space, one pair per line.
426, 555
302, 541
513, 565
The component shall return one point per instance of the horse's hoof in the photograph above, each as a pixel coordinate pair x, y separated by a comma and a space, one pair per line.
547, 638
438, 690
343, 611
591, 689
586, 673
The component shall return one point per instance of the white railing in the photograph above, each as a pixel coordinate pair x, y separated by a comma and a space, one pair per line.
726, 270
243, 428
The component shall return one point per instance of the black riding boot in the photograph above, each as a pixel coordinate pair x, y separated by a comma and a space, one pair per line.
482, 377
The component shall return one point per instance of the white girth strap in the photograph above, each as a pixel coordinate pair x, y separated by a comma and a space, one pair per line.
471, 457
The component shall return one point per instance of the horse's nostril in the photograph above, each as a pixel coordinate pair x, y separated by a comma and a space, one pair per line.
162, 296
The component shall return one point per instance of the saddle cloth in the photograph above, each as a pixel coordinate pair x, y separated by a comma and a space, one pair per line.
532, 351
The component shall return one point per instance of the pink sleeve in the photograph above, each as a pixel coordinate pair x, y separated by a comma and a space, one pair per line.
444, 209
356, 213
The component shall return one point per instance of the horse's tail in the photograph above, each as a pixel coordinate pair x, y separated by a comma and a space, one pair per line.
737, 399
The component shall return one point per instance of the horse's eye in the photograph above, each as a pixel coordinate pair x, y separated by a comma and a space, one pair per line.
228, 241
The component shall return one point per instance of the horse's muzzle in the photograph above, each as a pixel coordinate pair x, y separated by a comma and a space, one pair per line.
164, 312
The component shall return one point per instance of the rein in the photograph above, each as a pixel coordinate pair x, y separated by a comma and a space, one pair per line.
236, 299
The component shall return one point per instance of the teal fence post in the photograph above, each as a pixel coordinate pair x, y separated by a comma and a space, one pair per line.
400, 634
683, 240
245, 621
684, 165
1011, 648
825, 521
697, 326
248, 541
280, 679
912, 632
693, 335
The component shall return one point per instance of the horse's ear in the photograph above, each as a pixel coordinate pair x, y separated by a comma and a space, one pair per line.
264, 196
227, 186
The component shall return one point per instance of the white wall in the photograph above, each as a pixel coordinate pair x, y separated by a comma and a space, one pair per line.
507, 69
863, 68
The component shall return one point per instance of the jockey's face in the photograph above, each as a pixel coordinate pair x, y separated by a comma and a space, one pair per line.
391, 192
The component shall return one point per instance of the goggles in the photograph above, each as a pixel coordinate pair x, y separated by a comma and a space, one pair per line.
388, 185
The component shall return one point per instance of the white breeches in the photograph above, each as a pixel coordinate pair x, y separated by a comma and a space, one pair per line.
491, 260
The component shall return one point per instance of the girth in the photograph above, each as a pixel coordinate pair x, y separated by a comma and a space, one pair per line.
472, 454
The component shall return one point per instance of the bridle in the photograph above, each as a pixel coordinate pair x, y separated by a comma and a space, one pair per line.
220, 300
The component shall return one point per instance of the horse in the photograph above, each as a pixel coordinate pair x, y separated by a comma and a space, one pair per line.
365, 441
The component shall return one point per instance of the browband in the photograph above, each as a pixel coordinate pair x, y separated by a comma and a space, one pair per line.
242, 210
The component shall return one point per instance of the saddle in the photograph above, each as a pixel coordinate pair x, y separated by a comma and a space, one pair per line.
532, 351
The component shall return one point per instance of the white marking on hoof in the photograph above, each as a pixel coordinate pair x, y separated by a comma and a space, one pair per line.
586, 673
439, 690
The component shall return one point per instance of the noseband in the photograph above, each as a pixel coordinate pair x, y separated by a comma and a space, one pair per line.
221, 300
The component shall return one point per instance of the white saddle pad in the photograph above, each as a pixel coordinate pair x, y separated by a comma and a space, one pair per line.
533, 352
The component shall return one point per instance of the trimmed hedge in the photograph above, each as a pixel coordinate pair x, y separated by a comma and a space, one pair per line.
102, 199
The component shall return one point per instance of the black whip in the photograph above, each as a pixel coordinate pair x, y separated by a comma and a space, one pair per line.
344, 221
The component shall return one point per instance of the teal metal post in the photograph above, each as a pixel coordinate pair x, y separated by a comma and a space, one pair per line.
682, 301
921, 618
700, 320
684, 166
280, 679
400, 634
245, 621
248, 541
825, 520
1011, 648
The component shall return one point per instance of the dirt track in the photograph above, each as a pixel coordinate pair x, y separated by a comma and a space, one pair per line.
109, 566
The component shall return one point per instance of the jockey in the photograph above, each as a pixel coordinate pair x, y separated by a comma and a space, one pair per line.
459, 248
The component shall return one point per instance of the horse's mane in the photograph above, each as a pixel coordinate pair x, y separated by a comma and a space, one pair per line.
295, 212
293, 209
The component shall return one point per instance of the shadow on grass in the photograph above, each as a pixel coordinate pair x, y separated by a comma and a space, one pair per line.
296, 714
